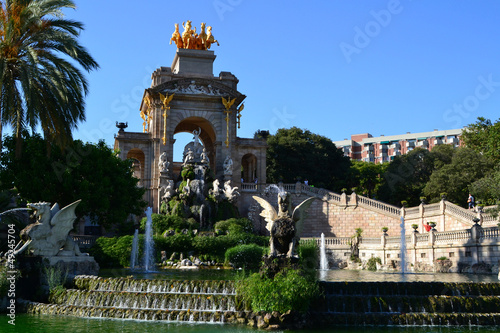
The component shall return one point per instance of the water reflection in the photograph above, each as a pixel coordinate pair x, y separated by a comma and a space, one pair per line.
368, 276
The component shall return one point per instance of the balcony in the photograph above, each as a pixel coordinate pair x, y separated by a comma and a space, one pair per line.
368, 148
423, 144
454, 141
410, 144
395, 145
438, 141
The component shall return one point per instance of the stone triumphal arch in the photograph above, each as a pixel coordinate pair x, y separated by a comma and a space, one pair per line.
187, 97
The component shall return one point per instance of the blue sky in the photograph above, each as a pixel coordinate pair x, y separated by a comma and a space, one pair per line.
335, 68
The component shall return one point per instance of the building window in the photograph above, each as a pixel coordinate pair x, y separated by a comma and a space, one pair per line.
451, 254
468, 254
388, 255
363, 254
422, 255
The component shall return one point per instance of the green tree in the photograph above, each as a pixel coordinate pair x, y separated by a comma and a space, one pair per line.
454, 178
406, 177
366, 177
295, 154
483, 137
91, 172
39, 85
487, 189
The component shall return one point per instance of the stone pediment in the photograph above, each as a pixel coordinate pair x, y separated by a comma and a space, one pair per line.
197, 86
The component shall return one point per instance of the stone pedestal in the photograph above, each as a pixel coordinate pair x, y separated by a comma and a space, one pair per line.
75, 265
195, 62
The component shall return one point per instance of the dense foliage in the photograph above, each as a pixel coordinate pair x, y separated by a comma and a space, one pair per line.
91, 172
115, 252
295, 154
245, 256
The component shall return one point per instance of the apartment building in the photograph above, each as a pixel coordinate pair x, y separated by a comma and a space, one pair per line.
365, 147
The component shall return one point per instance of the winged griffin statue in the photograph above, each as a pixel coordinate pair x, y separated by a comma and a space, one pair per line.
48, 236
285, 226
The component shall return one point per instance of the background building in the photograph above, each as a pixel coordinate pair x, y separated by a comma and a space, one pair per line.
365, 147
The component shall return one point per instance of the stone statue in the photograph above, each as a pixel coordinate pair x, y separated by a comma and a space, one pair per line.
168, 191
163, 162
189, 158
215, 190
228, 166
48, 236
230, 193
204, 157
176, 37
284, 226
196, 137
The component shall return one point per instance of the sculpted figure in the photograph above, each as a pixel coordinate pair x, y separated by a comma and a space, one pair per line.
168, 191
230, 193
210, 38
201, 38
284, 226
188, 35
228, 166
204, 157
176, 37
163, 162
48, 236
189, 157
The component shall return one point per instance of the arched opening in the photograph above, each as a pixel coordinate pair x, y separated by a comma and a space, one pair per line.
138, 159
183, 135
249, 168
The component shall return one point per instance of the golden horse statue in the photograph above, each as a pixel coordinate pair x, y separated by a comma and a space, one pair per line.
176, 37
189, 39
210, 38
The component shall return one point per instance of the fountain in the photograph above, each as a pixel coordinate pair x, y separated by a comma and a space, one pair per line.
323, 262
134, 256
403, 246
149, 243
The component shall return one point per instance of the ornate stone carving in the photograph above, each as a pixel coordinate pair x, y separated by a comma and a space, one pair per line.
48, 236
163, 163
228, 166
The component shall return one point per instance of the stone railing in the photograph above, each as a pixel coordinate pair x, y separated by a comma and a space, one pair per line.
439, 237
420, 212
378, 205
459, 212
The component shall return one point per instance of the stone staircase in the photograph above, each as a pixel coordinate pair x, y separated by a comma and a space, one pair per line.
408, 304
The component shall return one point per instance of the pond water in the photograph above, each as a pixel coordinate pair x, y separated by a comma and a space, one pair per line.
326, 275
62, 324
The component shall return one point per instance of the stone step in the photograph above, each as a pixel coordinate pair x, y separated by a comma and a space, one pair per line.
324, 319
407, 304
410, 288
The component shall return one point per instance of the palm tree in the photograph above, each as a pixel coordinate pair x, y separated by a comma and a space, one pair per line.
40, 85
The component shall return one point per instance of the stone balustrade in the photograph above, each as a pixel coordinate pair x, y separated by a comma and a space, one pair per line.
461, 247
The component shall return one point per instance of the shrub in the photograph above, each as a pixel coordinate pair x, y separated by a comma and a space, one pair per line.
234, 226
372, 263
309, 255
289, 290
245, 256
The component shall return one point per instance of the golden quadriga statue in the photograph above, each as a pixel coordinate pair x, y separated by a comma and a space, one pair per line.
189, 39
